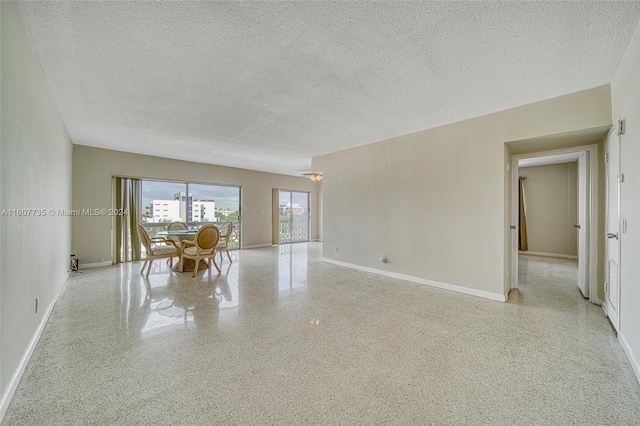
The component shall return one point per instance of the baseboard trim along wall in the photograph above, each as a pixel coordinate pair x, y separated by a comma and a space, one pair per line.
257, 246
537, 253
437, 284
635, 365
15, 380
95, 264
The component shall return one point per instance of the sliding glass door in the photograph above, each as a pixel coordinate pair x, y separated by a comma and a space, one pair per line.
293, 209
195, 204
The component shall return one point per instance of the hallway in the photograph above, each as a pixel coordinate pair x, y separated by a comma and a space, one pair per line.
283, 338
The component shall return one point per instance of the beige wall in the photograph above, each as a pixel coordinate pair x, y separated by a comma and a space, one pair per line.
551, 198
93, 169
434, 201
625, 99
35, 155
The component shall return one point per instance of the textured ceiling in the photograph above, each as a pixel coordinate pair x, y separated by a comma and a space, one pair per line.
267, 85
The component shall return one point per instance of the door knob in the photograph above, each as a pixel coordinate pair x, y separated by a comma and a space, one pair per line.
576, 226
612, 235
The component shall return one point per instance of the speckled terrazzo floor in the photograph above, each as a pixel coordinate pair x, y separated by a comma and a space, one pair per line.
282, 338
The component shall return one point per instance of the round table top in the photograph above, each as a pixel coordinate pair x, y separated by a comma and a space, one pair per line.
178, 233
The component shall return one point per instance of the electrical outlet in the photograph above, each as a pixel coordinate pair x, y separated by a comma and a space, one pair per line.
383, 258
263, 238
336, 249
508, 273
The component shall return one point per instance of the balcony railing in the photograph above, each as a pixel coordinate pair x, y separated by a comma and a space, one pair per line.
293, 231
234, 241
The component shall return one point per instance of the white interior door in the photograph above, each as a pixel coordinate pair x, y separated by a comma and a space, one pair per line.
582, 225
612, 277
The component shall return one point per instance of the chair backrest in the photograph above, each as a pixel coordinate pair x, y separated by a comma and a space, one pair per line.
207, 237
226, 229
144, 238
177, 226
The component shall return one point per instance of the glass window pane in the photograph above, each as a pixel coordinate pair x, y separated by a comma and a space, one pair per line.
165, 202
284, 211
300, 216
213, 204
162, 203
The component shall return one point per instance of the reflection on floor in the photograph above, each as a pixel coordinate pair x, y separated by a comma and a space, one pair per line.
282, 338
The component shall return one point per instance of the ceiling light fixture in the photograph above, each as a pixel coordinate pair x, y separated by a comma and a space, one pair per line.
316, 177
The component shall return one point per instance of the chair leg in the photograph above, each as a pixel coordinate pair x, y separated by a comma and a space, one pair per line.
181, 264
214, 263
171, 262
195, 267
228, 255
149, 268
144, 266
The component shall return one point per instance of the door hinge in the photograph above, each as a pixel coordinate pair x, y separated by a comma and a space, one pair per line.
621, 178
622, 127
606, 287
606, 157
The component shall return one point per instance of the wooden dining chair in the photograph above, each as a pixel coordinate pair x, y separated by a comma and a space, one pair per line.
203, 246
225, 236
156, 248
177, 226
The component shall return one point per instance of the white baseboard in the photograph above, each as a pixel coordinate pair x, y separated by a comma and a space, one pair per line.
15, 380
95, 264
444, 286
257, 246
630, 355
537, 253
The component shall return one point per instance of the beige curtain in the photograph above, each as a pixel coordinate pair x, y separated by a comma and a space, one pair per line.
128, 193
522, 237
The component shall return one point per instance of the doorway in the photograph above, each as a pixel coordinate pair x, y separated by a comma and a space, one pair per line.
293, 217
579, 226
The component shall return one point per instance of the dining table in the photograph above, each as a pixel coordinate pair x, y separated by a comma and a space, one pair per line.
179, 236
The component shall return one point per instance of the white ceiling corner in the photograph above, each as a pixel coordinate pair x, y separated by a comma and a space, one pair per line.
267, 86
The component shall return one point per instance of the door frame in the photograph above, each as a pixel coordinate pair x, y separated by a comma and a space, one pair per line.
592, 214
